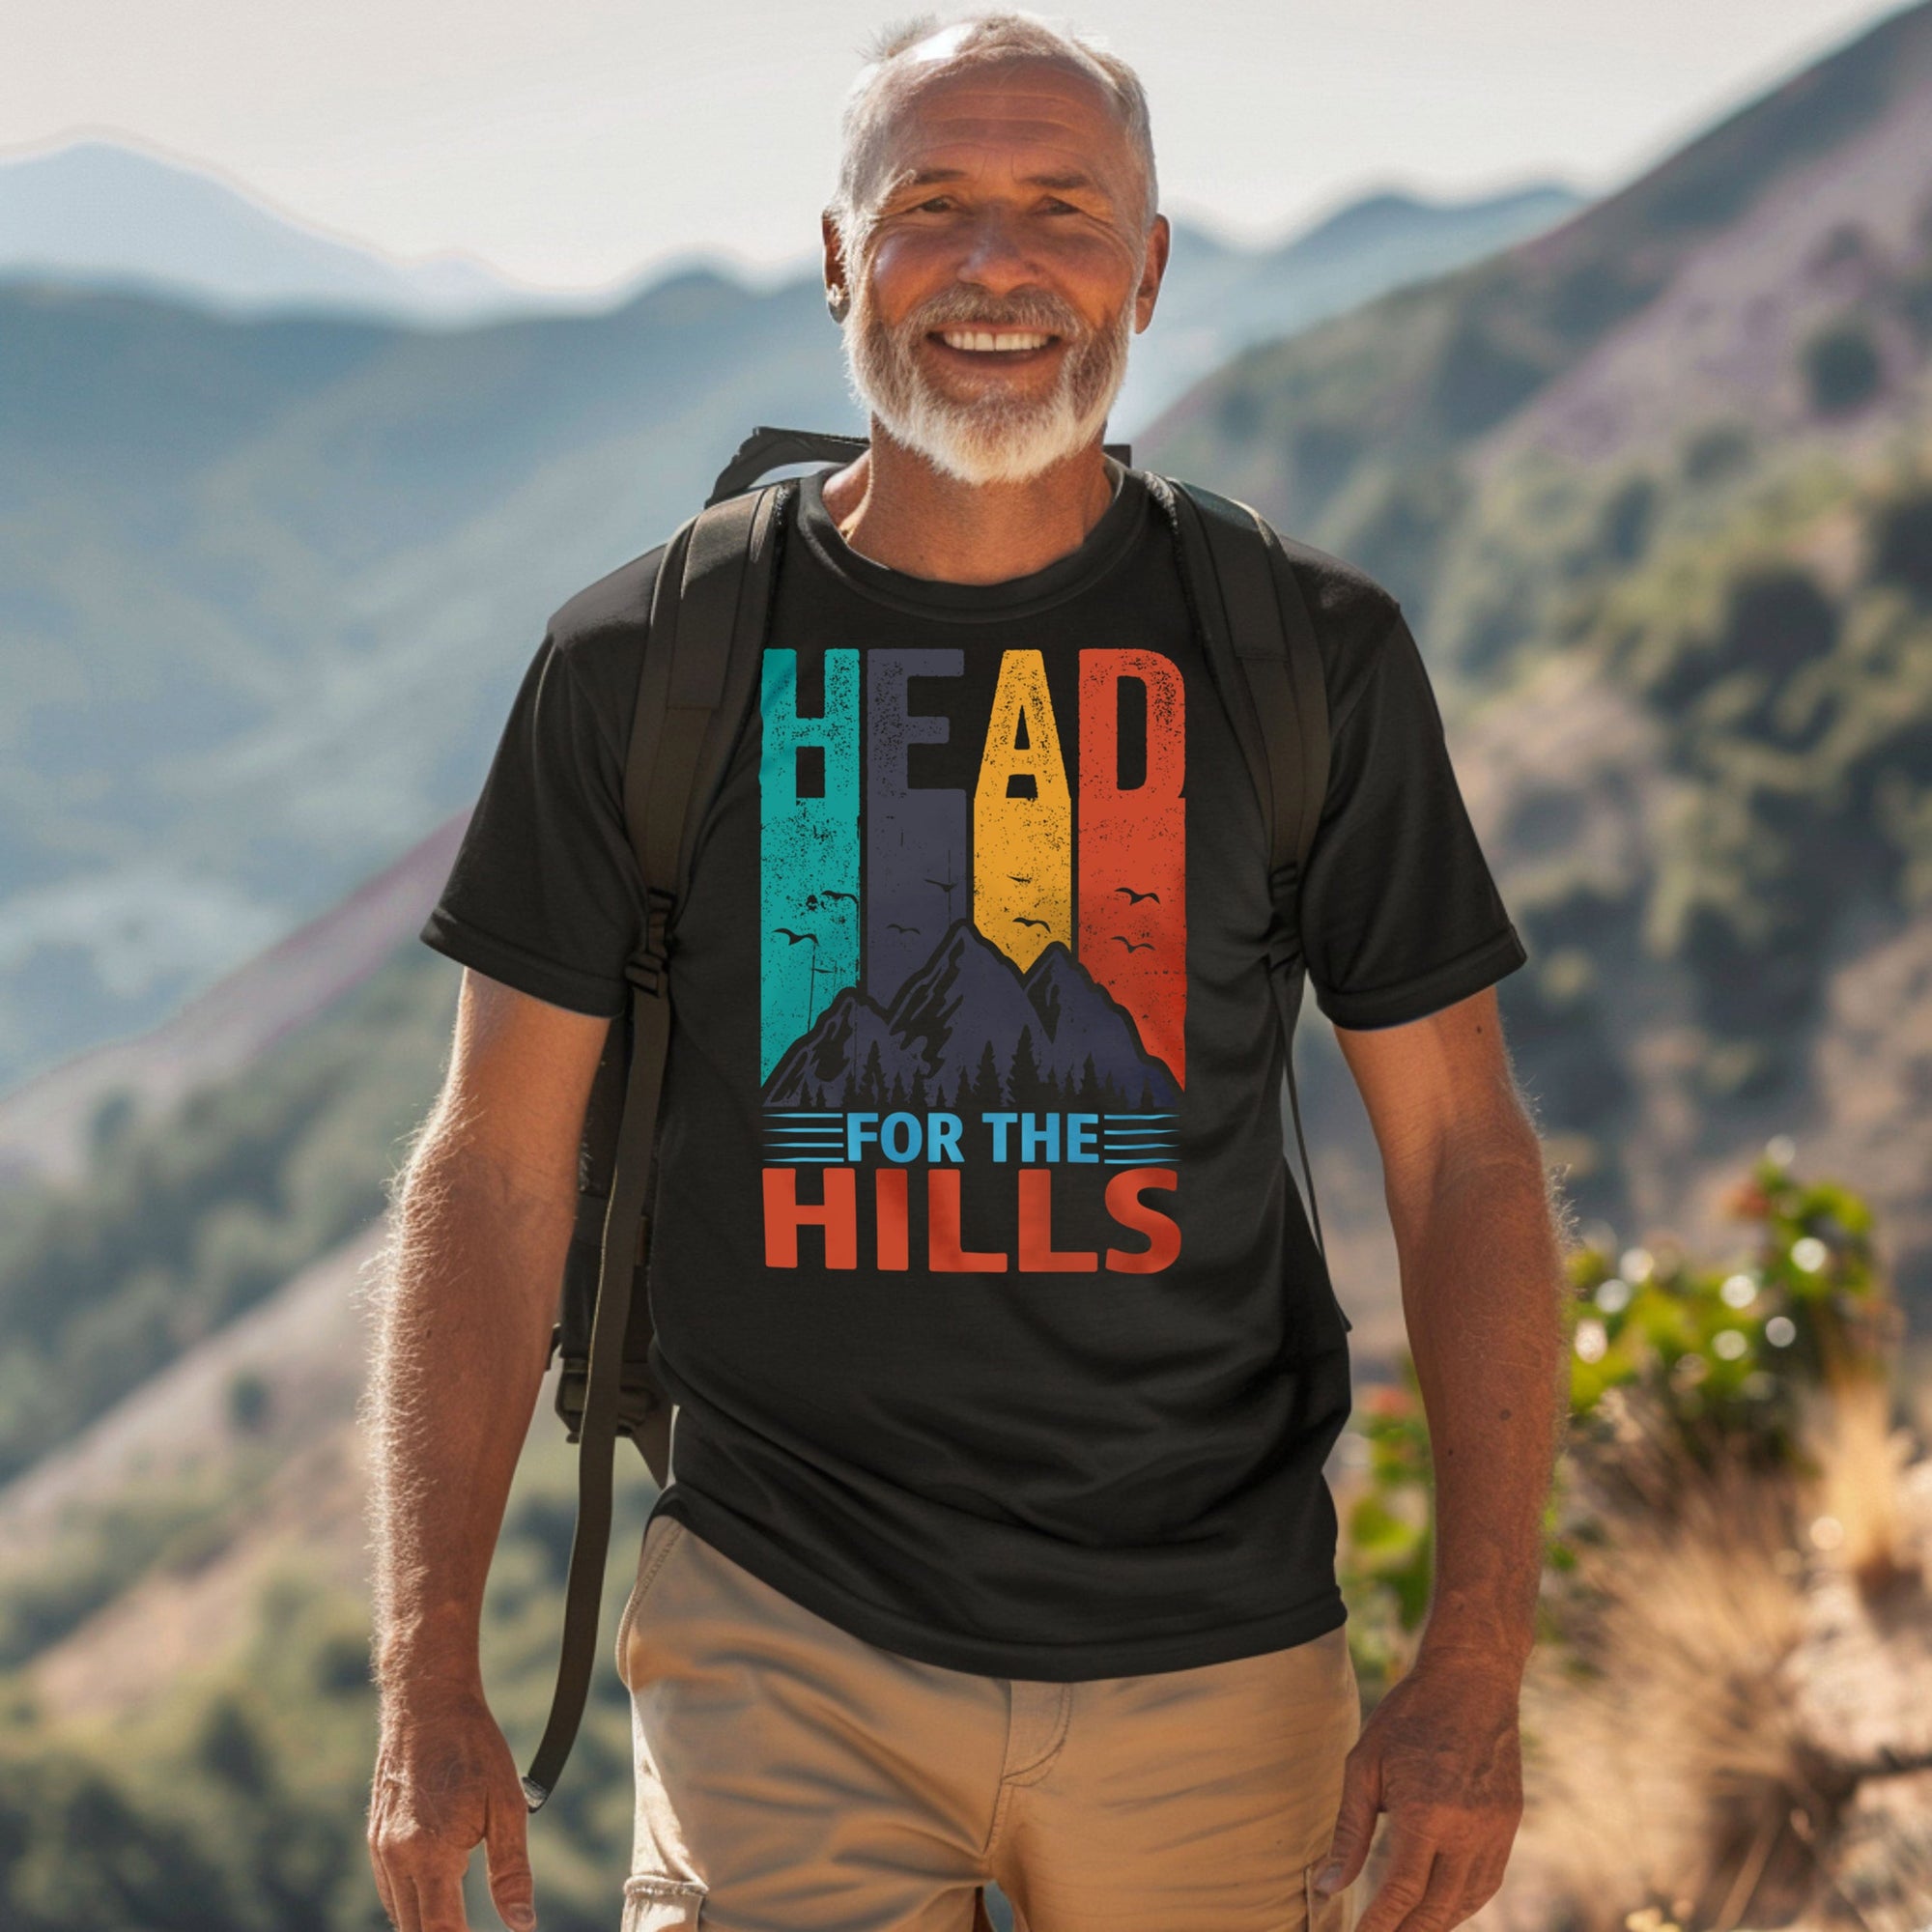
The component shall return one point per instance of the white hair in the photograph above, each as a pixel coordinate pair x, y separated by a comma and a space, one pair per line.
902, 59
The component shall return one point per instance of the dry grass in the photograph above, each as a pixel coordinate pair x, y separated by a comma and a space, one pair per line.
1734, 1733
1671, 1713
1853, 1501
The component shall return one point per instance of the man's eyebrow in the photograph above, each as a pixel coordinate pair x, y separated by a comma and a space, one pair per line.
1064, 179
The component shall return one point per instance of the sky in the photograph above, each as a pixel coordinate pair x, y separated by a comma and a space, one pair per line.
570, 143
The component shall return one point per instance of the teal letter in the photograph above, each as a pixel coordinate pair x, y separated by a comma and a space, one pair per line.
809, 850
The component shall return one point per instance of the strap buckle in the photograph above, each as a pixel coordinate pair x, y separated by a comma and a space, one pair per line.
649, 969
1281, 947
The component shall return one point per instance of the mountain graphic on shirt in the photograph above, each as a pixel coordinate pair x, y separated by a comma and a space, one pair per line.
970, 1029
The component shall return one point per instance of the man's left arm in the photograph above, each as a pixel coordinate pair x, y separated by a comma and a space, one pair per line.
1482, 1283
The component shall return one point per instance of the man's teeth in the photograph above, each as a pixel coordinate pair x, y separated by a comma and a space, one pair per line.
1005, 342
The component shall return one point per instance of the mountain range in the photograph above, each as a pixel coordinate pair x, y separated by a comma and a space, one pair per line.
113, 217
266, 583
969, 1023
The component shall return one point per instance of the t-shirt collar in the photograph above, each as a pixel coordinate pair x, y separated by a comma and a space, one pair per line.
1103, 546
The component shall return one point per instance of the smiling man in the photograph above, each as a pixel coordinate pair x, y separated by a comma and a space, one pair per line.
997, 1547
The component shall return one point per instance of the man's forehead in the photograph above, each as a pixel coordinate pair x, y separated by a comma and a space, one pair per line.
1033, 104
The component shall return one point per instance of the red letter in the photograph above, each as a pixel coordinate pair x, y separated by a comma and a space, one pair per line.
944, 1254
1133, 849
1037, 1253
1125, 1205
889, 1190
838, 1217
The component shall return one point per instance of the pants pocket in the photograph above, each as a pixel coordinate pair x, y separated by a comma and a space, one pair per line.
661, 1534
653, 1904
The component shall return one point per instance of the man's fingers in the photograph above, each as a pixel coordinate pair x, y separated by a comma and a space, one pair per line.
1403, 1887
1354, 1819
1486, 1880
506, 1850
439, 1901
390, 1858
403, 1889
1444, 1902
383, 1890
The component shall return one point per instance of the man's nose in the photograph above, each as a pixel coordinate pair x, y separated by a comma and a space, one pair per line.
996, 257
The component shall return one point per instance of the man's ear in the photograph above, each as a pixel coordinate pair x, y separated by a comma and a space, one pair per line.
835, 257
1153, 267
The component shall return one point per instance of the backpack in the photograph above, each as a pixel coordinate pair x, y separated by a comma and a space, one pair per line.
706, 635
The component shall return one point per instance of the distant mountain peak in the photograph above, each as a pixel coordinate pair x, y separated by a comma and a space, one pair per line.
109, 215
954, 1037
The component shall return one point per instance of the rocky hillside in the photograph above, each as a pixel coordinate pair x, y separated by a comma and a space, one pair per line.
1656, 490
1718, 292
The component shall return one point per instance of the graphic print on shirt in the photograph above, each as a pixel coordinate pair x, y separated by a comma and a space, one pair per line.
949, 978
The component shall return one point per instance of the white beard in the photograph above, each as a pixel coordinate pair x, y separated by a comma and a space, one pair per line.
995, 438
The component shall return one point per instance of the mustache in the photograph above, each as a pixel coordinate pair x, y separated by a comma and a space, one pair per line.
966, 308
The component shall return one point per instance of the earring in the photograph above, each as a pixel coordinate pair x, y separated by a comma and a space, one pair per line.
838, 301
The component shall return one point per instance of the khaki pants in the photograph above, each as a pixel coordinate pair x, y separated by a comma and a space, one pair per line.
791, 1777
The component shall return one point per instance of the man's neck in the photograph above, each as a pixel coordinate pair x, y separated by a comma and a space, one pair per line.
896, 509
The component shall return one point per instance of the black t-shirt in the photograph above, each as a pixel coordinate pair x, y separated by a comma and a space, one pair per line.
996, 1330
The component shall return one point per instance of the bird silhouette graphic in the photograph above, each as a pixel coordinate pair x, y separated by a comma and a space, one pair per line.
892, 925
796, 938
1134, 945
851, 897
1019, 879
1134, 897
948, 886
1046, 923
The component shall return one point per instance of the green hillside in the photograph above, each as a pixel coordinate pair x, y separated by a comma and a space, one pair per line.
184, 1222
1653, 489
265, 589
229, 1796
232, 1802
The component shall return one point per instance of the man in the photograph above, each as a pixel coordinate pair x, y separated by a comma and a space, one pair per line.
996, 1547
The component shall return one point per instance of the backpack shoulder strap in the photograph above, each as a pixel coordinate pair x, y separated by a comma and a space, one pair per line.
1258, 626
707, 621
1261, 646
766, 450
708, 617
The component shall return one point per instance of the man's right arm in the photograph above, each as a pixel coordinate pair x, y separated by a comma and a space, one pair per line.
469, 1290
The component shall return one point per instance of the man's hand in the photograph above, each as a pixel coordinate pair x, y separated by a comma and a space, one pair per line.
1442, 1755
444, 1782
1483, 1290
467, 1295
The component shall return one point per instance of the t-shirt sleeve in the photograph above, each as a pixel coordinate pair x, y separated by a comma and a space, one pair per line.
545, 893
1400, 916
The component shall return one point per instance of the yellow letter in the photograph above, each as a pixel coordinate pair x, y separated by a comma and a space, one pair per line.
1023, 820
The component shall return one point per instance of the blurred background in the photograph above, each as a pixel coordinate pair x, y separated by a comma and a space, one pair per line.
336, 351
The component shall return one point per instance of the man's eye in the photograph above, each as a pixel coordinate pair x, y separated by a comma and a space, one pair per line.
939, 204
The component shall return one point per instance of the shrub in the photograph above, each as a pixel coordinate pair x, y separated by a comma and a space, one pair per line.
1842, 368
